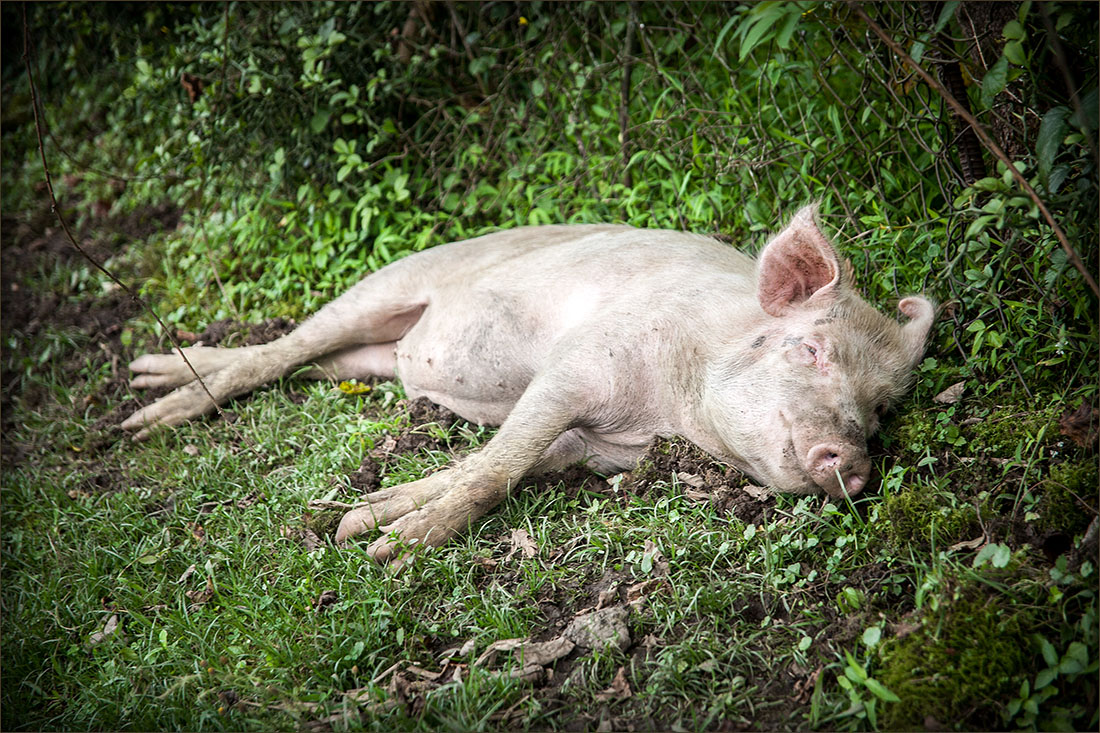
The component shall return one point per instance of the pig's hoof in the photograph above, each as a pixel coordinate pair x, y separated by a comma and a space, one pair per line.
178, 407
358, 521
422, 528
389, 505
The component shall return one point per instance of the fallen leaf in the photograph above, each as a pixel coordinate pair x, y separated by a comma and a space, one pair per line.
545, 652
186, 575
760, 493
528, 652
607, 597
310, 540
199, 597
974, 544
354, 388
109, 628
693, 495
652, 557
1080, 425
424, 673
522, 541
197, 532
951, 395
636, 593
600, 628
804, 689
249, 500
528, 673
191, 450
619, 690
382, 450
503, 645
326, 599
693, 480
229, 698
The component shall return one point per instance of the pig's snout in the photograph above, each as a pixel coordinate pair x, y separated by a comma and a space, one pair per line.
831, 464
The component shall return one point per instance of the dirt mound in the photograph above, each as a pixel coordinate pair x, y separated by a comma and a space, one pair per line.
702, 478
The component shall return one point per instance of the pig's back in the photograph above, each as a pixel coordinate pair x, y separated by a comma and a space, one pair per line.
499, 306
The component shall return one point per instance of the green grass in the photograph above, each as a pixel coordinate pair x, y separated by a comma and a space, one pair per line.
738, 618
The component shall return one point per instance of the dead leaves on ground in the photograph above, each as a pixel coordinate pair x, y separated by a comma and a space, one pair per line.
1082, 426
110, 628
521, 659
522, 543
619, 690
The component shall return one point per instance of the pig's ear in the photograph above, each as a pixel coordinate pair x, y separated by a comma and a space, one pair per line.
921, 313
798, 268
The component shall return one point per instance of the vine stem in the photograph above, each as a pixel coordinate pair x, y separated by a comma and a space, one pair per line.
987, 141
56, 209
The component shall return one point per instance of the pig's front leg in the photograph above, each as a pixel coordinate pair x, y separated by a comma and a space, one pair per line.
435, 509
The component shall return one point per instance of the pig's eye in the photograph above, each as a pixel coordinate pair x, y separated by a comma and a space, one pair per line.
811, 349
881, 408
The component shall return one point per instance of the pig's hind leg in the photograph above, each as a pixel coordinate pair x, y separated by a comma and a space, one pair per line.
357, 330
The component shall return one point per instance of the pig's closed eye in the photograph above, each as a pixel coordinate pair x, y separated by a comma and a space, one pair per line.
881, 409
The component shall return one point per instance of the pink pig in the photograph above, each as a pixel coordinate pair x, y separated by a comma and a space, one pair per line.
584, 343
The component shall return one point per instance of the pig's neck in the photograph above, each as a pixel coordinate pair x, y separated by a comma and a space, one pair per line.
703, 393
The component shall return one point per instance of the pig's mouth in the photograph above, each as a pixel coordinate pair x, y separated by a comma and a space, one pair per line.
813, 462
839, 468
833, 465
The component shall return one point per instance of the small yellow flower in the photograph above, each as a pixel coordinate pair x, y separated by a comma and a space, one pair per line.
522, 20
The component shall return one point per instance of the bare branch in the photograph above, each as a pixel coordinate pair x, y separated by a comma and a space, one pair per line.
990, 145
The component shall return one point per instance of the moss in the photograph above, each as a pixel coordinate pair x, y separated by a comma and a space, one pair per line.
959, 667
1059, 507
999, 433
323, 523
910, 434
919, 517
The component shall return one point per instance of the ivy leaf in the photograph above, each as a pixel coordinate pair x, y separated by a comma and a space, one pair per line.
1014, 52
1051, 131
872, 636
994, 81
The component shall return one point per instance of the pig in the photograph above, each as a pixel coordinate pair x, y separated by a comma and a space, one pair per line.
584, 343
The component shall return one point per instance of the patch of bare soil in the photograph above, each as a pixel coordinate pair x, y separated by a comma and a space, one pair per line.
702, 478
32, 246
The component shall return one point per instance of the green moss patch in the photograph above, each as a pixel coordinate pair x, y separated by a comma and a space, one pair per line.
957, 665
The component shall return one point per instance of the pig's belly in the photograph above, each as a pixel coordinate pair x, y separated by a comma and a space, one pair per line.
478, 370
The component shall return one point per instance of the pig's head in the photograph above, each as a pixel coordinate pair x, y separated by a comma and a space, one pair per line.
797, 396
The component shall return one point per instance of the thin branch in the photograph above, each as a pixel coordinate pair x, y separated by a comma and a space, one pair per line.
56, 209
990, 145
624, 92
